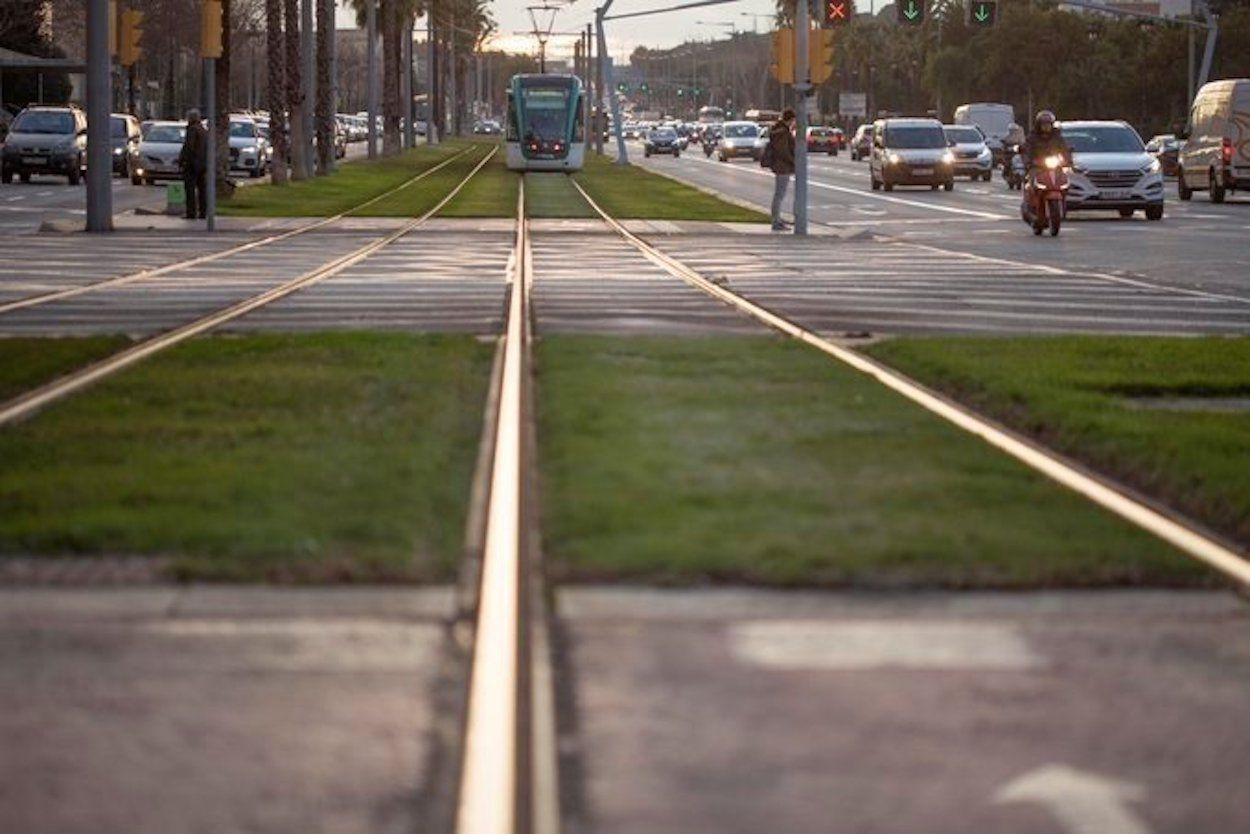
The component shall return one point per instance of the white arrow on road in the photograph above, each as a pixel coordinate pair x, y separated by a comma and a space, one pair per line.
1083, 802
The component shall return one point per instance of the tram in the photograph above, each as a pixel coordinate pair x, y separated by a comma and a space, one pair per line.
546, 123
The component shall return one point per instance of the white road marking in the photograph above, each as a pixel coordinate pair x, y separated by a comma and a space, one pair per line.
14, 199
1082, 802
845, 645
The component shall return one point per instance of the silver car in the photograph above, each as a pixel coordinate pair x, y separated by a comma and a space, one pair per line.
1111, 170
159, 149
248, 151
973, 157
740, 139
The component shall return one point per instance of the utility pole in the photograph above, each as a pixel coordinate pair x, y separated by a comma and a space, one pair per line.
431, 78
802, 86
591, 127
599, 98
405, 86
622, 155
99, 166
371, 58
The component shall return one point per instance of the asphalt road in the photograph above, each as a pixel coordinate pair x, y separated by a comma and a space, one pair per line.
1197, 245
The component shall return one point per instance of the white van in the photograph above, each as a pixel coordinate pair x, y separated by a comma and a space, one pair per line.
1216, 154
995, 121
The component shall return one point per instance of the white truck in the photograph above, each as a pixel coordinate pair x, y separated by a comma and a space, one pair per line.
994, 120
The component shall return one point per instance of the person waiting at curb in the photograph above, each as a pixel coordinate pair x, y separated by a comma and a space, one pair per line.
193, 160
781, 161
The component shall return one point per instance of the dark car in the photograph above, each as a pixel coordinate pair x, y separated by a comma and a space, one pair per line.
46, 140
662, 140
1166, 148
125, 136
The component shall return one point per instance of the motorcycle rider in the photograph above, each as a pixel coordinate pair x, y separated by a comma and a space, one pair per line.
1043, 140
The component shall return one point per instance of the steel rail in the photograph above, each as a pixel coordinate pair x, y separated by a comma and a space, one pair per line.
1102, 491
142, 275
489, 800
29, 402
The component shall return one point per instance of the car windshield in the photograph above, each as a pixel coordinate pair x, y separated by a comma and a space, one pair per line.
963, 134
44, 121
171, 134
741, 131
118, 128
1105, 139
915, 137
663, 133
243, 129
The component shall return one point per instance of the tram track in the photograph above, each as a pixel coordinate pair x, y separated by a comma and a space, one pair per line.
31, 401
1143, 512
188, 263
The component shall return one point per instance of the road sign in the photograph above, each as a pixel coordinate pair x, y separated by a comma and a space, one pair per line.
910, 12
838, 12
853, 104
983, 13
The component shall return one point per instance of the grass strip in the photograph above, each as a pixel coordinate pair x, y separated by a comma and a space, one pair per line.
353, 183
550, 194
26, 363
1129, 406
758, 460
313, 457
492, 193
424, 195
629, 192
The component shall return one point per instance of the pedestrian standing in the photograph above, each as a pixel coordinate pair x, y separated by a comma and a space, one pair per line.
781, 153
193, 161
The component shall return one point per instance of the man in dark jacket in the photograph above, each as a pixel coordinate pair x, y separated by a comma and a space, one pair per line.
193, 160
781, 147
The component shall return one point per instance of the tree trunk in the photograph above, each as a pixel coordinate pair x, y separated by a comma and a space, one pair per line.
221, 127
325, 91
389, 19
276, 91
295, 92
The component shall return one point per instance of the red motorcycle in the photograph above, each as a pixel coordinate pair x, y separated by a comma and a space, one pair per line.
1046, 196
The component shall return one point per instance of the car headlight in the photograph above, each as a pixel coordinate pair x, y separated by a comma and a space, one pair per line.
895, 159
948, 158
1055, 161
118, 151
1152, 167
249, 149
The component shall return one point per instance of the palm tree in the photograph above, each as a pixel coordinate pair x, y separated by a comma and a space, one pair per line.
276, 90
295, 92
390, 31
325, 90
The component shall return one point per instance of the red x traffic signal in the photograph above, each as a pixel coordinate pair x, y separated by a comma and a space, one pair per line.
838, 12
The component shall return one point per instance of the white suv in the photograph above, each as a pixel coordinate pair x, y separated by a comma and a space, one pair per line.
1111, 170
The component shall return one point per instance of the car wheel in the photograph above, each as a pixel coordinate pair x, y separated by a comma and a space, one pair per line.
1126, 212
876, 184
933, 187
1216, 189
6, 177
989, 175
647, 154
1154, 212
73, 176
135, 179
254, 173
888, 186
1182, 190
149, 181
949, 185
24, 178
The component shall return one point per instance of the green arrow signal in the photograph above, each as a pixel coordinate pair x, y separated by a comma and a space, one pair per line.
982, 13
911, 12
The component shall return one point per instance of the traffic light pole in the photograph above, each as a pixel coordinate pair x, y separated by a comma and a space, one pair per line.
802, 86
210, 122
99, 165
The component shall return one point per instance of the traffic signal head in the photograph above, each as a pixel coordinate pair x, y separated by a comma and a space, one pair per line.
910, 12
983, 13
130, 46
210, 30
838, 12
820, 55
783, 56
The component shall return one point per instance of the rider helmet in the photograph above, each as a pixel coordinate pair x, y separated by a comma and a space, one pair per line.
1045, 121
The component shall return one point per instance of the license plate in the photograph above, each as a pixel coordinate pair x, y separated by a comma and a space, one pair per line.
33, 160
1116, 193
922, 172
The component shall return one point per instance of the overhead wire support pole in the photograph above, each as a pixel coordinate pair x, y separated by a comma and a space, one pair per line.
99, 166
802, 86
609, 85
371, 73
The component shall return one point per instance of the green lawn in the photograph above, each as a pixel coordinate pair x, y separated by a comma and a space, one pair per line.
27, 363
354, 183
1080, 395
318, 457
424, 195
759, 460
628, 192
551, 194
492, 193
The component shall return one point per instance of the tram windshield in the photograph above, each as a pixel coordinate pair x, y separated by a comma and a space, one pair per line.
546, 112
